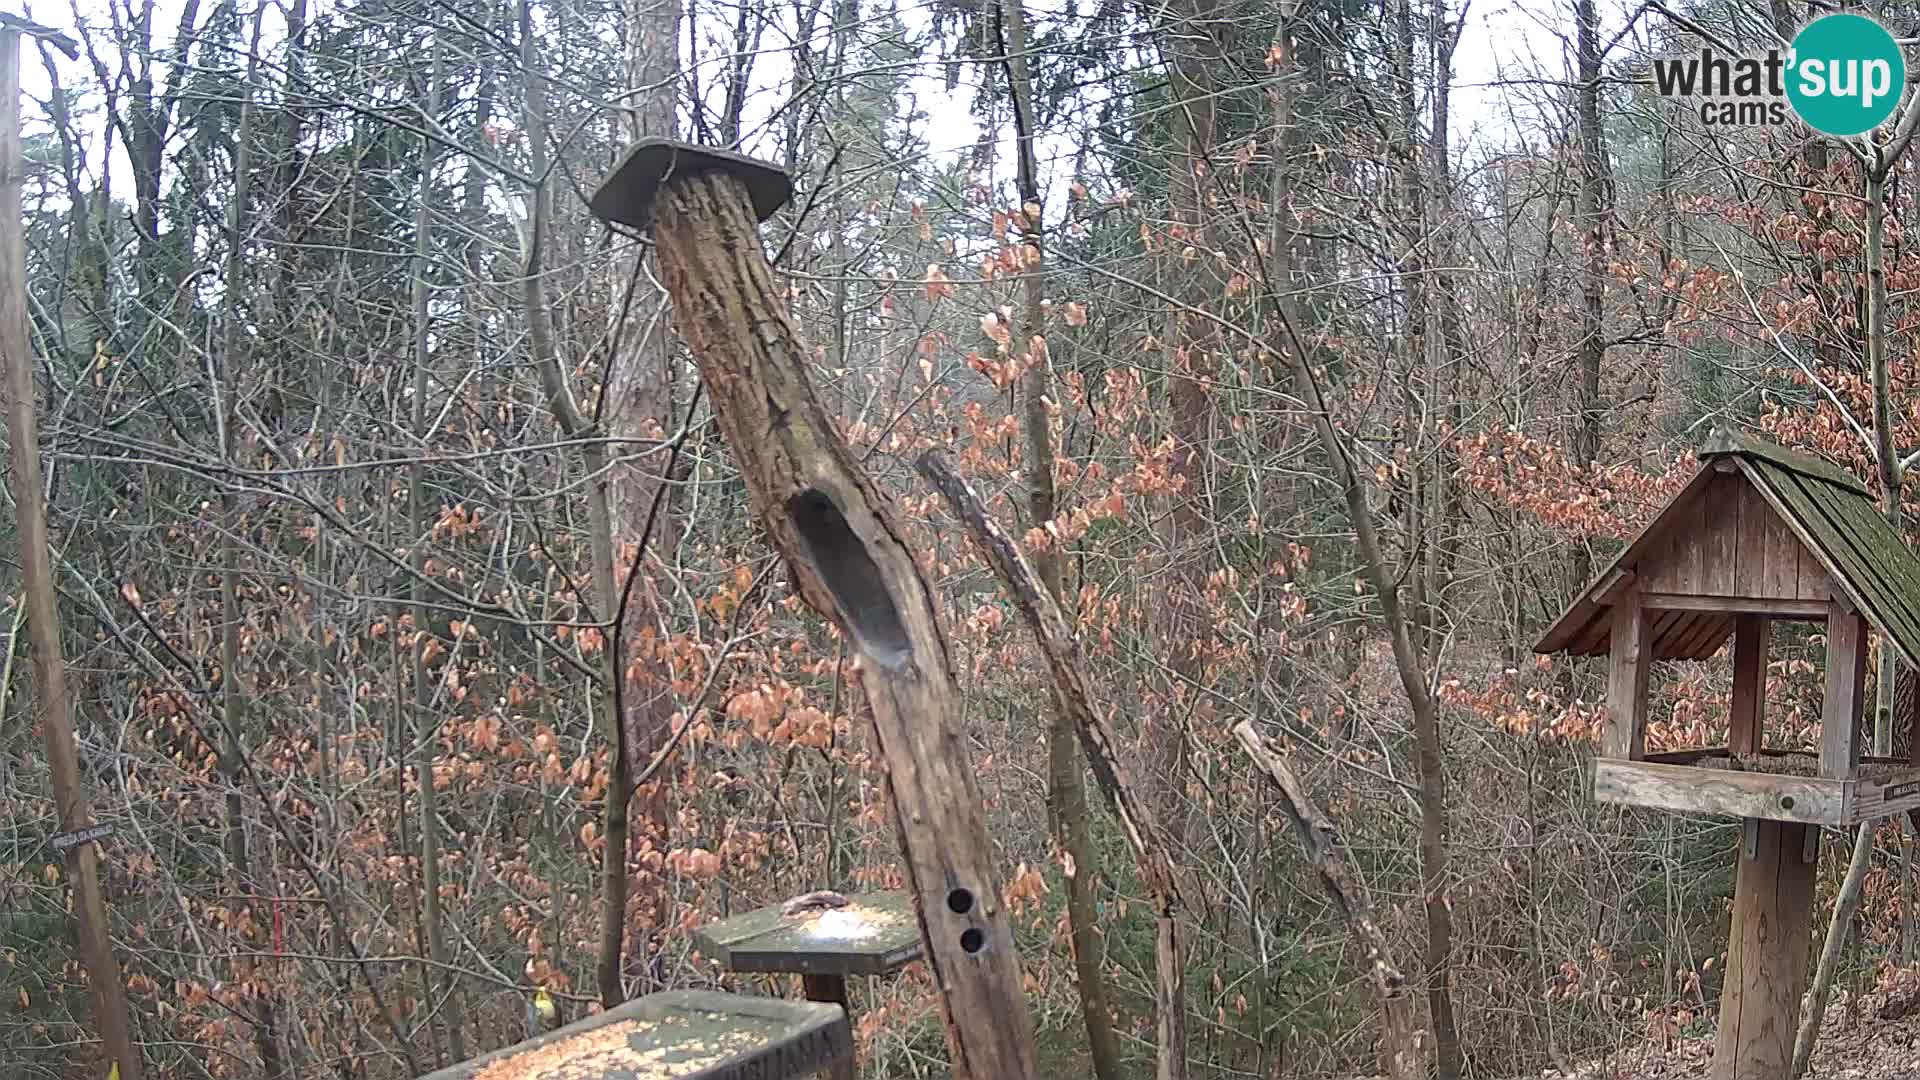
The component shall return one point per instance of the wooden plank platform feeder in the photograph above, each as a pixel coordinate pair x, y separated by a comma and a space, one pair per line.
1759, 534
841, 540
823, 941
677, 1035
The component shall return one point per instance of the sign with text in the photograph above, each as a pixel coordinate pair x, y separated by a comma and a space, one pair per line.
88, 835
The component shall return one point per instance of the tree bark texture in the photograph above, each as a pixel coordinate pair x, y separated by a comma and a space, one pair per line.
1035, 599
841, 540
1066, 788
609, 965
36, 575
639, 406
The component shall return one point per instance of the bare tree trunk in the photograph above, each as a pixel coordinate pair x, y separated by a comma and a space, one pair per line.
567, 416
1590, 349
840, 539
1847, 904
233, 692
1434, 874
1037, 602
426, 728
1181, 618
1066, 788
639, 405
36, 574
1398, 1029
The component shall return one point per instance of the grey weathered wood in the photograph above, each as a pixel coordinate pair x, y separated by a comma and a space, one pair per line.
1693, 790
1747, 717
1791, 608
678, 1035
1886, 796
874, 934
1138, 822
1404, 1059
841, 538
1846, 672
1626, 731
1766, 956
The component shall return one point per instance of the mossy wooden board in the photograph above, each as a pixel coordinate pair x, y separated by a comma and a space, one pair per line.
1868, 561
677, 1035
874, 934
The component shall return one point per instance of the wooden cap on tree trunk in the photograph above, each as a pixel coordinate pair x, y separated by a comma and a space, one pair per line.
627, 195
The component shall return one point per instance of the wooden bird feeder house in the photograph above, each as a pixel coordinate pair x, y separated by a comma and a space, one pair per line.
1758, 534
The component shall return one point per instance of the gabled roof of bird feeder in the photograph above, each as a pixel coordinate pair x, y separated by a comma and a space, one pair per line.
1757, 522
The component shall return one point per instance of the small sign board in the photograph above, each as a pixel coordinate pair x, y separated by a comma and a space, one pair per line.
88, 835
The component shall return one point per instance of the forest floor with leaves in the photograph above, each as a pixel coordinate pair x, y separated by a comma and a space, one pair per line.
1876, 1037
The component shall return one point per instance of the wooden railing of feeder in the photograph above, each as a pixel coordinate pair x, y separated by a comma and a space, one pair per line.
841, 540
1758, 535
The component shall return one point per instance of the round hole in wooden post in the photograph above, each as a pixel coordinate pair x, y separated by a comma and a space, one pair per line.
1786, 802
973, 939
850, 574
960, 901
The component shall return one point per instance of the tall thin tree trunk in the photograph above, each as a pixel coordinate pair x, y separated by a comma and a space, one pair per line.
426, 728
567, 416
1590, 349
1066, 785
1847, 904
233, 694
639, 405
42, 598
1435, 877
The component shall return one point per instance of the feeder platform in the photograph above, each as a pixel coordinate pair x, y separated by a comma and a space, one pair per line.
677, 1035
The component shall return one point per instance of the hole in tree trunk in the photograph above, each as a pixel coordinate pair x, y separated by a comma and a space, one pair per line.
851, 576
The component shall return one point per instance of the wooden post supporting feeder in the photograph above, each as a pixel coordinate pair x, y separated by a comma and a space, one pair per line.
841, 541
1759, 534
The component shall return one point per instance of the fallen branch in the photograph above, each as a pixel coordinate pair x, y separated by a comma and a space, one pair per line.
1401, 1039
1043, 616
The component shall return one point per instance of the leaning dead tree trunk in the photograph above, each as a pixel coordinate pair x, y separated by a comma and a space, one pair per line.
841, 541
1398, 1028
1037, 605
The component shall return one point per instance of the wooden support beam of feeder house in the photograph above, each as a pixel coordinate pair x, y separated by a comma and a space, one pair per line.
1625, 734
1773, 899
842, 542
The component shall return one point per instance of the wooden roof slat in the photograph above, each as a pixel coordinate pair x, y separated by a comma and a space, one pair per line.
1891, 583
1584, 610
1726, 441
1864, 557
